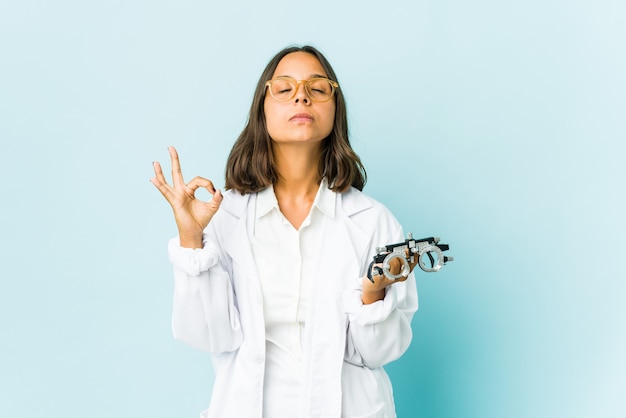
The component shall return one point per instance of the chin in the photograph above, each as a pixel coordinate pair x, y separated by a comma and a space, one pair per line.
295, 139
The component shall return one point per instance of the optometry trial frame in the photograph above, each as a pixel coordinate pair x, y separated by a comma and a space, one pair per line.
426, 249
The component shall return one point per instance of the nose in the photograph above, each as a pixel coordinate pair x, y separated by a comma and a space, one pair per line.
301, 94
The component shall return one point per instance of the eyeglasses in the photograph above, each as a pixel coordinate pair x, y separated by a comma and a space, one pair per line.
318, 89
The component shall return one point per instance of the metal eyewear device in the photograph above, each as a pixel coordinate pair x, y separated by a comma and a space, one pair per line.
428, 250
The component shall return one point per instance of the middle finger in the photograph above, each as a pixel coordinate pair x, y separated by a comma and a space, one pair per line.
177, 174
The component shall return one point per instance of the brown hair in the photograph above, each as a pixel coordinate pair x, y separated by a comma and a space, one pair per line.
250, 166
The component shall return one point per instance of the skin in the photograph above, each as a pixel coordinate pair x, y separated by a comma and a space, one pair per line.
297, 128
191, 215
283, 128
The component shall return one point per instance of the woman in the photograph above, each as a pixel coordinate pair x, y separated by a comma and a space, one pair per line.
271, 276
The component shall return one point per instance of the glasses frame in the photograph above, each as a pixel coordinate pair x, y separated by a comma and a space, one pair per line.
306, 83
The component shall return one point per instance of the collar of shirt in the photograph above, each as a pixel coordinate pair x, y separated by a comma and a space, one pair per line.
324, 200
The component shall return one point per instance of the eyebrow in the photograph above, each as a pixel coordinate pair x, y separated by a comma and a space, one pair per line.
310, 77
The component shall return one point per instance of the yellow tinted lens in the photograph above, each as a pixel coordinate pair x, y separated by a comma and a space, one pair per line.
282, 88
320, 89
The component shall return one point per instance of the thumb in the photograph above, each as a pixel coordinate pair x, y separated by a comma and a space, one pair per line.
216, 200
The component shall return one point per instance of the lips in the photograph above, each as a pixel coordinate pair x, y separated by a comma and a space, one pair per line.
301, 117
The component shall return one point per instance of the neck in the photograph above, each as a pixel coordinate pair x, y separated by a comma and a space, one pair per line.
298, 179
297, 167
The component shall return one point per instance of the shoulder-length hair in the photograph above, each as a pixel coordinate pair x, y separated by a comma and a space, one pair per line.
251, 165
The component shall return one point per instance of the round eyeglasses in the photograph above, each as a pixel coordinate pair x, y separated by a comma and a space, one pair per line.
319, 89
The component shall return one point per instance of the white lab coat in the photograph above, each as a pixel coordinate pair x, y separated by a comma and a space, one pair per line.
218, 308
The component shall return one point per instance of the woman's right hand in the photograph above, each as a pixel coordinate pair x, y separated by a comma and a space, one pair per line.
192, 215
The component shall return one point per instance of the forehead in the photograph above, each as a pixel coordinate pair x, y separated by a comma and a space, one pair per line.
299, 65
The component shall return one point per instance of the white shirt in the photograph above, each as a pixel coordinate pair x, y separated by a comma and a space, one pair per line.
286, 258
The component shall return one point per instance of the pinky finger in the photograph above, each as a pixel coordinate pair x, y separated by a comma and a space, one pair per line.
158, 172
162, 186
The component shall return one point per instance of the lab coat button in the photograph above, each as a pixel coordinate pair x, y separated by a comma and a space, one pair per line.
259, 357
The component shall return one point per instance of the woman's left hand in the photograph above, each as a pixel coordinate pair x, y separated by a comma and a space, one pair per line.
375, 290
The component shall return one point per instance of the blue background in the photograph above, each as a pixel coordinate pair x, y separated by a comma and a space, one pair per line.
498, 125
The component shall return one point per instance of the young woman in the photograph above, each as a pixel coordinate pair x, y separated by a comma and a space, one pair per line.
271, 276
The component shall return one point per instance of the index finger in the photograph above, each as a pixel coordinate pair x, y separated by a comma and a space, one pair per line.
177, 174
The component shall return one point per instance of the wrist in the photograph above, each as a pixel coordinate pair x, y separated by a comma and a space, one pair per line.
371, 296
190, 241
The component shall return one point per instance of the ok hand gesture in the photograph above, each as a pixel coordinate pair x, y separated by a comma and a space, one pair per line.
192, 215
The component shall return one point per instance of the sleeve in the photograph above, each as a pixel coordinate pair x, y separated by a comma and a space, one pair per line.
205, 314
380, 332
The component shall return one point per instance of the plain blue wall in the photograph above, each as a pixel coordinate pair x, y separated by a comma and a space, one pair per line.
498, 125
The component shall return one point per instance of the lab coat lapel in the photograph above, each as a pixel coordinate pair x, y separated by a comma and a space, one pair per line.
350, 204
343, 249
238, 241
